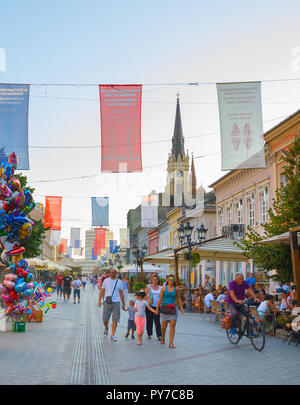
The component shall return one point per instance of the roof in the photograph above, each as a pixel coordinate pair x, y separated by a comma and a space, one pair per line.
178, 140
276, 240
164, 256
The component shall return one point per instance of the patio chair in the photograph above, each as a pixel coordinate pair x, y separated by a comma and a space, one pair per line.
213, 309
218, 310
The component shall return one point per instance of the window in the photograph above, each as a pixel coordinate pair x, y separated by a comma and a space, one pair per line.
283, 180
220, 220
264, 205
239, 212
251, 213
229, 214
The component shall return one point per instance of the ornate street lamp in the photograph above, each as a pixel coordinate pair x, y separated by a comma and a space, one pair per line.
185, 238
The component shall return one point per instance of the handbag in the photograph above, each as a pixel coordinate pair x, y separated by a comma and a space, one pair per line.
108, 299
149, 297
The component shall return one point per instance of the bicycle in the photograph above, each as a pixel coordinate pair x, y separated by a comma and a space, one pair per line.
254, 329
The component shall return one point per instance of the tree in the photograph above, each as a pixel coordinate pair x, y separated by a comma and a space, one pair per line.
284, 215
33, 245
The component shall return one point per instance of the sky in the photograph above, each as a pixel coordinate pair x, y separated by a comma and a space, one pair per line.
160, 44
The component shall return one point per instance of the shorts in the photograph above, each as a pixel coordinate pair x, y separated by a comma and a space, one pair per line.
131, 325
76, 292
84, 283
59, 287
111, 309
67, 290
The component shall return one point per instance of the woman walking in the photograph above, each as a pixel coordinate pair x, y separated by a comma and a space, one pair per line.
153, 291
125, 287
168, 309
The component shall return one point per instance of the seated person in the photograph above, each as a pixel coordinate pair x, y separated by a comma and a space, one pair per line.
223, 297
210, 297
286, 288
285, 304
250, 301
266, 307
262, 294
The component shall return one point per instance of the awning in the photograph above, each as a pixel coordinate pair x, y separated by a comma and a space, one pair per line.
276, 240
147, 268
164, 256
221, 249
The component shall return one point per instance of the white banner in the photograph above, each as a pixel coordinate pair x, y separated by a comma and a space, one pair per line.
149, 211
124, 238
54, 238
241, 128
75, 238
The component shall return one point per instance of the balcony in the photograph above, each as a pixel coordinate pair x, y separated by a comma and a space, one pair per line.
234, 231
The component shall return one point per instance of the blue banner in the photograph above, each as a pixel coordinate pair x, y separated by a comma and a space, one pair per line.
100, 211
14, 123
113, 245
94, 257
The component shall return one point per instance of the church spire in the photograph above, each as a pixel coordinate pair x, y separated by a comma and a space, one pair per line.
194, 180
178, 140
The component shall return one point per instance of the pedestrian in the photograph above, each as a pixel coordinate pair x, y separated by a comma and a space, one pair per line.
84, 280
140, 306
66, 285
76, 284
153, 291
104, 276
112, 290
59, 281
131, 324
168, 309
251, 280
94, 281
125, 287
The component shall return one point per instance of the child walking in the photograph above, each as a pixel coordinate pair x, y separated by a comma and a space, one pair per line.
131, 314
139, 319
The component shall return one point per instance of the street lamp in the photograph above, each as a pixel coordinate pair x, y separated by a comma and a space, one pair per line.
185, 238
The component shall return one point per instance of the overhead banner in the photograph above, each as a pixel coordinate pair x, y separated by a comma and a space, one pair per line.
241, 127
63, 246
77, 250
120, 107
99, 242
75, 238
69, 252
14, 123
100, 211
94, 256
54, 238
53, 213
149, 211
124, 238
113, 246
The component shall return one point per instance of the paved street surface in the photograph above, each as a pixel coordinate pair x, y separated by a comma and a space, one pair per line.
69, 348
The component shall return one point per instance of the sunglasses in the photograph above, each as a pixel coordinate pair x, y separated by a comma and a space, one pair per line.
171, 278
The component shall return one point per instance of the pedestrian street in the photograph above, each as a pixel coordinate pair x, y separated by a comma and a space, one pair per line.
68, 347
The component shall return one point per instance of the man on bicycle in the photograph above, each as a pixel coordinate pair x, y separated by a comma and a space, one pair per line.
235, 299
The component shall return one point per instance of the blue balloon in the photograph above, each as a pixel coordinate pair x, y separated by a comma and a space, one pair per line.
20, 280
29, 276
20, 287
28, 292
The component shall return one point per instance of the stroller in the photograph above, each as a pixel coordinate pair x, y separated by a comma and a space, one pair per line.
294, 328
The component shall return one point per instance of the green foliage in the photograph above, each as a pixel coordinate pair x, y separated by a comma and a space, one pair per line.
138, 286
23, 181
195, 259
284, 215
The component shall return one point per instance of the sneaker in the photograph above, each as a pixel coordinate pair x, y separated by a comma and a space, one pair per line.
78, 302
148, 337
74, 302
159, 338
113, 339
105, 332
127, 334
232, 331
132, 337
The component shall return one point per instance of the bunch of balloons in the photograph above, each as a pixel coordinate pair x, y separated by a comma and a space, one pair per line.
16, 287
15, 204
40, 295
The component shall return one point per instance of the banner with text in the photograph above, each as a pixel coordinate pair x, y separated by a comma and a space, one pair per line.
63, 245
121, 128
113, 246
124, 238
100, 211
241, 128
99, 242
54, 238
75, 238
53, 213
149, 211
14, 123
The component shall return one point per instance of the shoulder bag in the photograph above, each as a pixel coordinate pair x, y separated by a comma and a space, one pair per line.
169, 309
108, 299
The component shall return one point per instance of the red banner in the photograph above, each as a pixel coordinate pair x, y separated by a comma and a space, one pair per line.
53, 213
63, 246
121, 128
99, 242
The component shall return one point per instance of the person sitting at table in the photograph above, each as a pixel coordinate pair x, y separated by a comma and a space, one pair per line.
285, 302
262, 294
286, 288
223, 297
250, 301
210, 297
266, 307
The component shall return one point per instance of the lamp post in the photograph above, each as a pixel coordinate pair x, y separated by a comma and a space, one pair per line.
185, 239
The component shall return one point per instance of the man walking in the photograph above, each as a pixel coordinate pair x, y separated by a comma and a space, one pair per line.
67, 286
76, 284
112, 291
59, 281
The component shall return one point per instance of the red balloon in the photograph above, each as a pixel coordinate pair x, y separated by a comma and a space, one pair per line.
14, 295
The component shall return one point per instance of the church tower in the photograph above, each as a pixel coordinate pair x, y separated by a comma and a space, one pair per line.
178, 161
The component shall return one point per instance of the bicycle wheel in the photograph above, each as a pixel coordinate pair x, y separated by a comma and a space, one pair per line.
234, 339
257, 335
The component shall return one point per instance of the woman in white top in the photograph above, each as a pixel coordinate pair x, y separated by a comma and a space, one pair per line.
266, 307
153, 290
